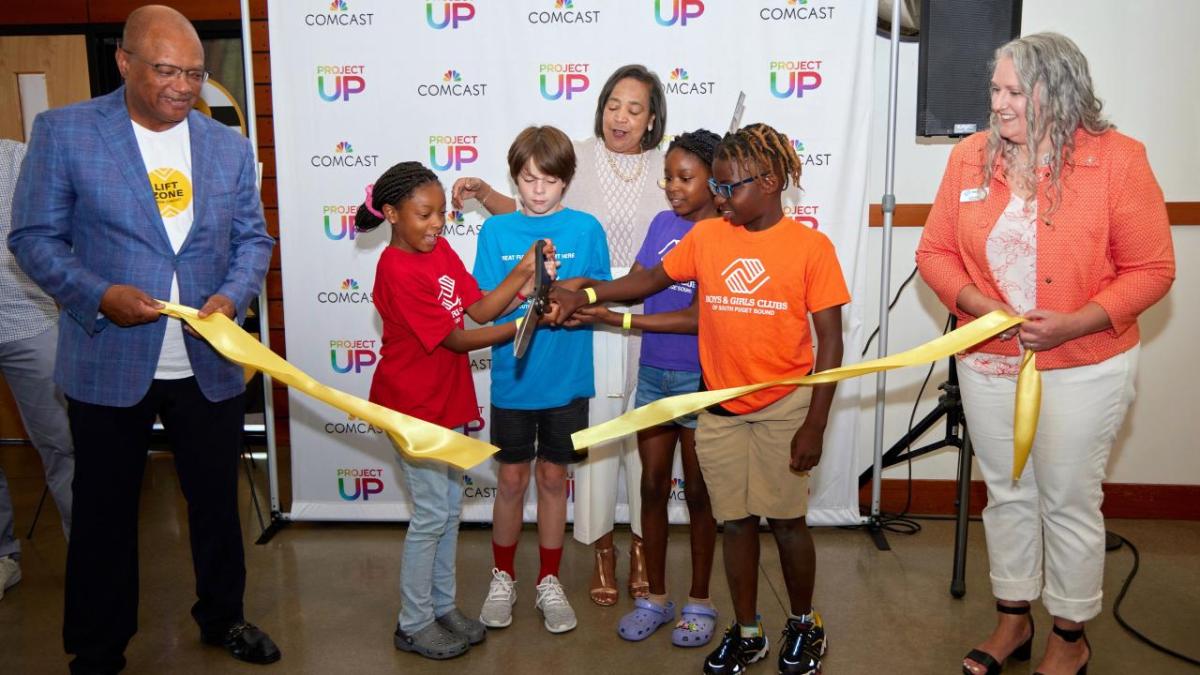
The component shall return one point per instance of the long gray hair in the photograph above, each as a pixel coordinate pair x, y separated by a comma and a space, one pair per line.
1050, 67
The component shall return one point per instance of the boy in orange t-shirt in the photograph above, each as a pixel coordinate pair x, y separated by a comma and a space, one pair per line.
759, 277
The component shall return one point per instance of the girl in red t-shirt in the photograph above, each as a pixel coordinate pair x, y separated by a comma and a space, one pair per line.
422, 290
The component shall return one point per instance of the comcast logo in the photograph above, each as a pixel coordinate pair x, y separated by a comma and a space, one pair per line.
745, 275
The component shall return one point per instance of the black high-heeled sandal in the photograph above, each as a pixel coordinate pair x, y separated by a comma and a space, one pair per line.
994, 665
1073, 636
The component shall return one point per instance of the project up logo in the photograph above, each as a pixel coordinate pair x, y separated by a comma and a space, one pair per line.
339, 83
793, 78
359, 484
563, 80
440, 15
451, 153
352, 356
671, 12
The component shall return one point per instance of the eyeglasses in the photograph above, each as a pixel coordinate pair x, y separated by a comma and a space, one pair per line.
726, 189
167, 71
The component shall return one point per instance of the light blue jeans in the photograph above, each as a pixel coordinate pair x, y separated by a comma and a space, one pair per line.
427, 567
28, 367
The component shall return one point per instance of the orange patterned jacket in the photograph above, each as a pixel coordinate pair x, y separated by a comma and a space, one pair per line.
1109, 241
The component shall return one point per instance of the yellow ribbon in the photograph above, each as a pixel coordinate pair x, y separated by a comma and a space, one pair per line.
416, 438
1025, 412
1028, 388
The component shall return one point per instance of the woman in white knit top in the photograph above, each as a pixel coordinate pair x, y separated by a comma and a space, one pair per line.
616, 180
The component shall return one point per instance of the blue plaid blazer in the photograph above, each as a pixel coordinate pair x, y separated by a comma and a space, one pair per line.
84, 218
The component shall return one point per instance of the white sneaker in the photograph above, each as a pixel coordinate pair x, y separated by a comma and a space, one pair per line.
502, 595
552, 600
10, 574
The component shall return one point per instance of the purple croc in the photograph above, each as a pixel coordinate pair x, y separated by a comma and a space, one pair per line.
695, 627
645, 618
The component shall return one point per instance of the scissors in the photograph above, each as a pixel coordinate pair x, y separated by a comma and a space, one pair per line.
539, 301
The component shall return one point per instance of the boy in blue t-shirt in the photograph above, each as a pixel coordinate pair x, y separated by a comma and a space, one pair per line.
541, 399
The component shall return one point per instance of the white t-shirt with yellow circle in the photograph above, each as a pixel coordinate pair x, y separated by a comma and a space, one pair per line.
167, 156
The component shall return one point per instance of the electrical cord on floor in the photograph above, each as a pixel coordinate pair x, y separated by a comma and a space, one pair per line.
1137, 560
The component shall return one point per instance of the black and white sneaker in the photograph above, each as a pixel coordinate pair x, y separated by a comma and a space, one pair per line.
735, 653
803, 646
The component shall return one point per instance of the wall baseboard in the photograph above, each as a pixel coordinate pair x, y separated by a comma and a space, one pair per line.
1121, 500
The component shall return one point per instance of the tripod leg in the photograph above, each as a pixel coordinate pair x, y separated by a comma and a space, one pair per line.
958, 585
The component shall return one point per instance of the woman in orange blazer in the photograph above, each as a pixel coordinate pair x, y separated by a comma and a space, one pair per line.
1054, 215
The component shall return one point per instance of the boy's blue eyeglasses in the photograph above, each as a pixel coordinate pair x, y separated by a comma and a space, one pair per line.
726, 189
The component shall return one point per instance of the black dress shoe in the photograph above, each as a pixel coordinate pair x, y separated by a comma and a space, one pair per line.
245, 642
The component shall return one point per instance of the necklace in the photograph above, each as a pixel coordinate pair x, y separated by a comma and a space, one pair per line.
612, 164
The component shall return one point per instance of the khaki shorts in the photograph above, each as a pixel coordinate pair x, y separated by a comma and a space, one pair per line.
745, 460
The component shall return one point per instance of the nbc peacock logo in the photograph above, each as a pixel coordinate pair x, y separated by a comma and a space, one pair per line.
457, 225
452, 83
344, 156
564, 4
347, 292
337, 14
680, 82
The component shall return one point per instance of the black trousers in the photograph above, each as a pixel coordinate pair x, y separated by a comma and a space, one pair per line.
111, 443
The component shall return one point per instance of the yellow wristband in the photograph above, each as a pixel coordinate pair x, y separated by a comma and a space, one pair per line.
591, 294
518, 322
627, 321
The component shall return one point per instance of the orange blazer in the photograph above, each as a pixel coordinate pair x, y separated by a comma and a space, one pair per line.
1109, 241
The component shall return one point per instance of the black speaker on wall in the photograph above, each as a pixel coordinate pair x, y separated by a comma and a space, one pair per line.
958, 38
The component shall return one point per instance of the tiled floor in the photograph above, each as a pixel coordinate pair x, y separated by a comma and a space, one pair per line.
328, 595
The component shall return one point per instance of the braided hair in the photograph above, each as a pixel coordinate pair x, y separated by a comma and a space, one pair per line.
758, 148
393, 187
701, 143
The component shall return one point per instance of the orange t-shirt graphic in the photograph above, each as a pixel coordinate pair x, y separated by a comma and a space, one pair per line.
756, 290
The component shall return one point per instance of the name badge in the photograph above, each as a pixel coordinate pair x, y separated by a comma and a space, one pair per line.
972, 195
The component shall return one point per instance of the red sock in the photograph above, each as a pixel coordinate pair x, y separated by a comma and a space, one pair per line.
550, 557
503, 556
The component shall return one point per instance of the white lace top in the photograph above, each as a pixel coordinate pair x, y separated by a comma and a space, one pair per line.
1012, 258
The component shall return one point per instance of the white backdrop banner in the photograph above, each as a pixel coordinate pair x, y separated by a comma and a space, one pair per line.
359, 85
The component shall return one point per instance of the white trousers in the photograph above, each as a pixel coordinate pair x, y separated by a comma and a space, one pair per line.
1045, 532
597, 478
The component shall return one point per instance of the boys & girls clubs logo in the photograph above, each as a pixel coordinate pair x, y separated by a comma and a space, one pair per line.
797, 10
451, 153
337, 14
672, 12
359, 484
564, 12
344, 156
790, 79
563, 80
440, 14
339, 83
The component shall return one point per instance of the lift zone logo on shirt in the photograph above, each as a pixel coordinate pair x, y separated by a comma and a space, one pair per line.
172, 191
744, 277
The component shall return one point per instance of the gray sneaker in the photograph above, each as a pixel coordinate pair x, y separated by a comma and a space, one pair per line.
432, 641
552, 600
10, 574
502, 595
470, 629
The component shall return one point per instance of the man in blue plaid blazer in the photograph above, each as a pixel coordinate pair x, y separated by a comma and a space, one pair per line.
122, 201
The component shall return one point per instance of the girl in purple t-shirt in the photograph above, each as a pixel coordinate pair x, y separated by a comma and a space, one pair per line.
670, 365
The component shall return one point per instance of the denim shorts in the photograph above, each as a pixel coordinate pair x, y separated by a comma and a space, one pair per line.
523, 435
656, 383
